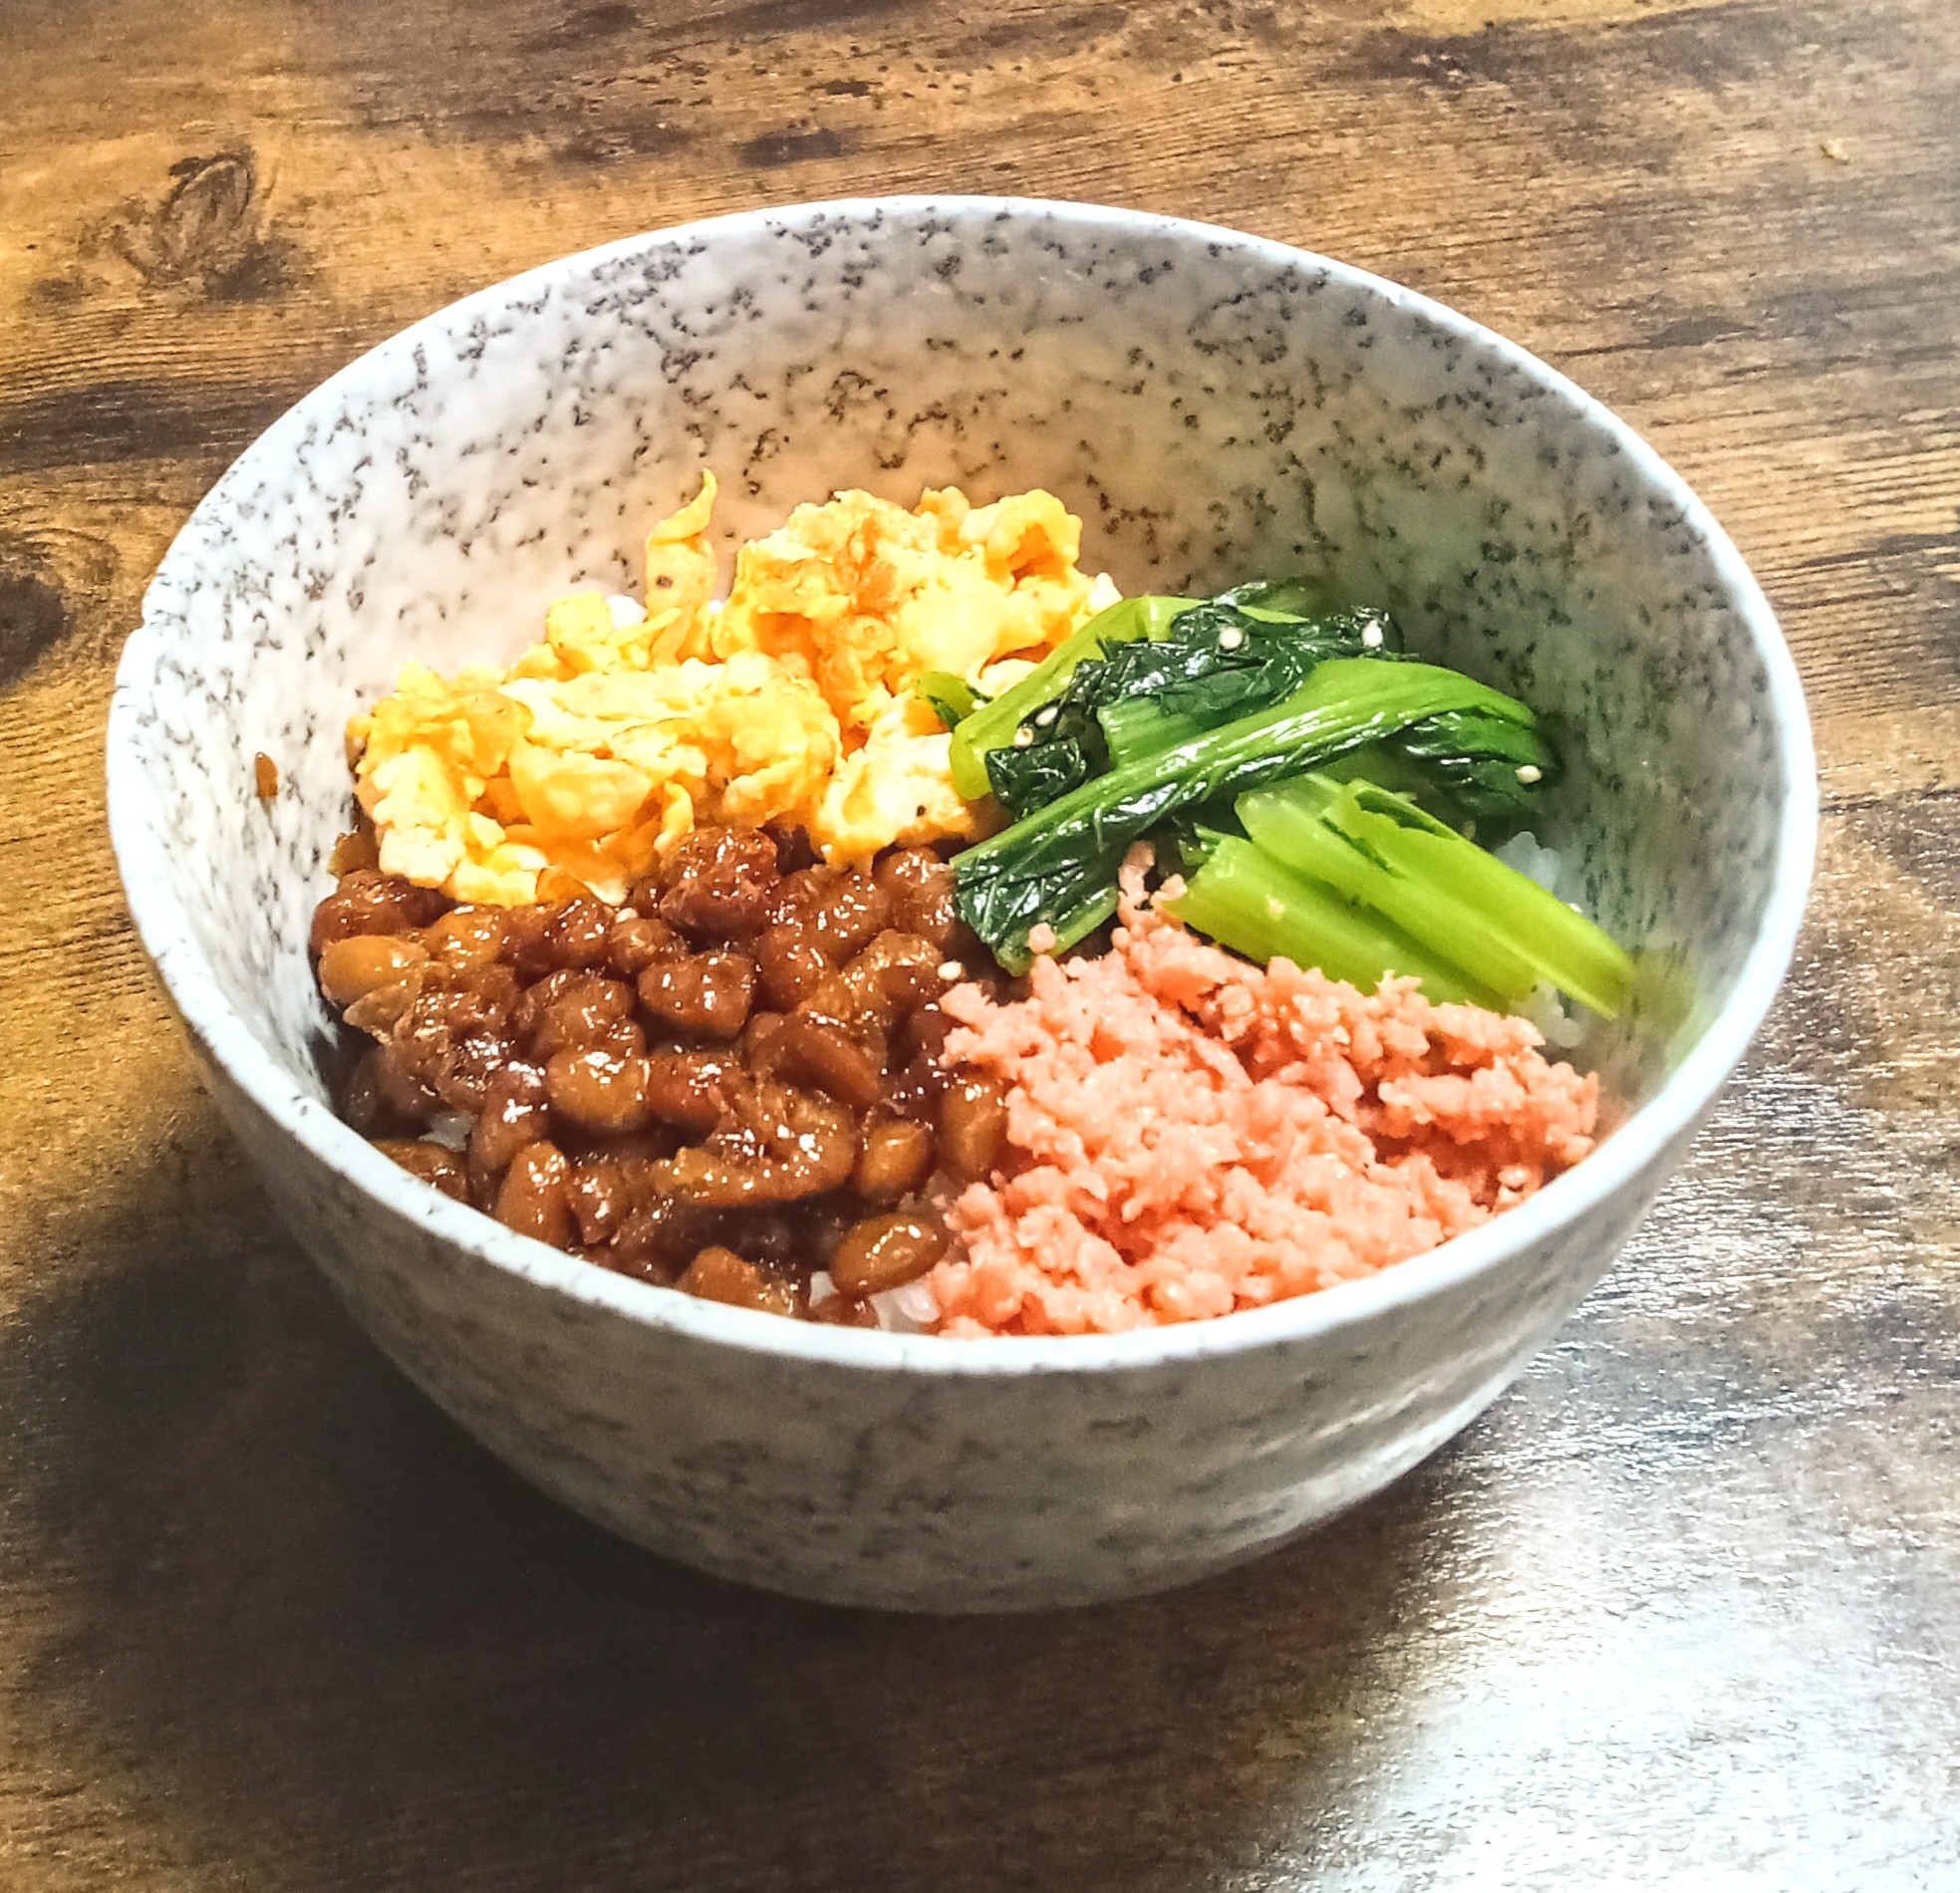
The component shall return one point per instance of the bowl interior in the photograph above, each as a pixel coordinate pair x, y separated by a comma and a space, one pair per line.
1214, 407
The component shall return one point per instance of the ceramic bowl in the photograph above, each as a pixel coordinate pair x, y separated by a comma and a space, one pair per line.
1215, 407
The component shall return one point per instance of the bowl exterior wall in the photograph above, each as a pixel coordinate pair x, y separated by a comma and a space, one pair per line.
924, 1492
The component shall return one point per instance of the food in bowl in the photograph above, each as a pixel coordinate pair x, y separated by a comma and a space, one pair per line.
755, 946
1190, 1133
788, 704
1215, 406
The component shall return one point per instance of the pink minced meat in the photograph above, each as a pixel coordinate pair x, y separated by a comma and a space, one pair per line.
1189, 1134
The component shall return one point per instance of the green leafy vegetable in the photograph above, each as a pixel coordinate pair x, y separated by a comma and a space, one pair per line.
1246, 899
1441, 767
1458, 903
1219, 661
995, 723
1173, 721
1028, 777
951, 699
1296, 596
994, 728
1483, 771
1057, 866
1239, 662
1215, 663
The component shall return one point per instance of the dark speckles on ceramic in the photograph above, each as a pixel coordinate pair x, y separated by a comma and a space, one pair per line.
1214, 407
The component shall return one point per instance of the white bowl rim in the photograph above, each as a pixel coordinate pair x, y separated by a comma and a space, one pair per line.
1685, 1093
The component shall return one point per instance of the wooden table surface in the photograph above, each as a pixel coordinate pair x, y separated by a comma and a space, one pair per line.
1682, 1611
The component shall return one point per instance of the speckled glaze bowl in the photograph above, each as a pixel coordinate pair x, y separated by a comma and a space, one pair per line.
1215, 407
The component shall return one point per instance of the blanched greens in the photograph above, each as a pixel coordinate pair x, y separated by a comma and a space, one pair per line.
992, 724
1263, 909
951, 699
1213, 662
1057, 867
1308, 780
1437, 899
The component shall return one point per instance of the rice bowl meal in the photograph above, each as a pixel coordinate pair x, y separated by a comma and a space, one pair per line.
924, 934
887, 1065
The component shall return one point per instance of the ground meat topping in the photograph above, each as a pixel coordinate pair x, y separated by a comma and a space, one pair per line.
723, 1085
1175, 1133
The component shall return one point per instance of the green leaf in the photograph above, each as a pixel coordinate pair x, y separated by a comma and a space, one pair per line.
1297, 597
995, 723
1486, 769
1029, 777
1058, 860
1245, 899
1457, 900
951, 699
1213, 662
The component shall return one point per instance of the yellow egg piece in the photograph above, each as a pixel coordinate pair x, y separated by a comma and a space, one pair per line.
604, 744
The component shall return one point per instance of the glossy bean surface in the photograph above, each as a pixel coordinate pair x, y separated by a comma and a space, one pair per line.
729, 1082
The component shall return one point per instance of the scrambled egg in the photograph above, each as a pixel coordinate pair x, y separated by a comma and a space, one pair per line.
596, 752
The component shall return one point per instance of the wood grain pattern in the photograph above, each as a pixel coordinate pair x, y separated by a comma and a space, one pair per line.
1680, 1612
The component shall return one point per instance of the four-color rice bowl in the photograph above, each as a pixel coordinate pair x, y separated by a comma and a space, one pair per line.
1213, 405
